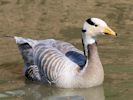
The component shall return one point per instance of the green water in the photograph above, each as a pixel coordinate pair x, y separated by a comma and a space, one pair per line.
63, 19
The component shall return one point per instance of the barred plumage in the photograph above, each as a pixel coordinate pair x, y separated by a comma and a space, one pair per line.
49, 56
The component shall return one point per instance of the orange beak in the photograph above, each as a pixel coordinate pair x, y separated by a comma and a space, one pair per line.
109, 31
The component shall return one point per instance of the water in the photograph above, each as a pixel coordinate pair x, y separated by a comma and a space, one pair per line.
41, 19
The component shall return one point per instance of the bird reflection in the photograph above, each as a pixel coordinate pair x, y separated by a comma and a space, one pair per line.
47, 92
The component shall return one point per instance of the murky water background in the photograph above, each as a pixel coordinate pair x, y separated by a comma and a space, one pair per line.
63, 19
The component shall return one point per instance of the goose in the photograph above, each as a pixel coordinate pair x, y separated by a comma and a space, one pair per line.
62, 64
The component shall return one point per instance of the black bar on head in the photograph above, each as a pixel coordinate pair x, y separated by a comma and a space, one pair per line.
89, 21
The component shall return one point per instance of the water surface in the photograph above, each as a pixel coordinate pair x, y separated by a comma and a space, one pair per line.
63, 19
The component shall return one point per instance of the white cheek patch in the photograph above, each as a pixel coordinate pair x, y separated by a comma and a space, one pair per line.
88, 39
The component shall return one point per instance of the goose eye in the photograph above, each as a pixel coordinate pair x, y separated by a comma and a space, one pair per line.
95, 25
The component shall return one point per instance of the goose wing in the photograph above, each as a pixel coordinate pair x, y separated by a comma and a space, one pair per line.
74, 54
51, 56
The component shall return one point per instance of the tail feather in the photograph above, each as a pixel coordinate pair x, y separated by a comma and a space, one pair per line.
20, 40
26, 50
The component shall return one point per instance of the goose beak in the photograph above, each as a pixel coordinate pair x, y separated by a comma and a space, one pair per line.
109, 31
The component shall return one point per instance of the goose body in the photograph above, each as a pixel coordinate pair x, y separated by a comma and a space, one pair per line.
55, 61
61, 63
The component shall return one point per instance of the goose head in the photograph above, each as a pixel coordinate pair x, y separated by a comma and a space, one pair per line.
93, 27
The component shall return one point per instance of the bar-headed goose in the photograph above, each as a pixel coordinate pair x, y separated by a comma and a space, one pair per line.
62, 64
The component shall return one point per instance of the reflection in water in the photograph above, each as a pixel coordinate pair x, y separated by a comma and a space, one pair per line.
41, 92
